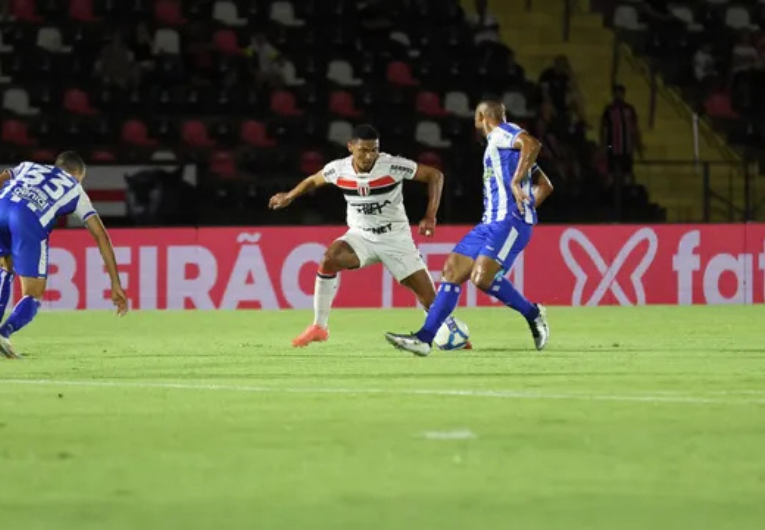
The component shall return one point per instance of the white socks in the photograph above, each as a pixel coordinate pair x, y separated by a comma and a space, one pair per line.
323, 296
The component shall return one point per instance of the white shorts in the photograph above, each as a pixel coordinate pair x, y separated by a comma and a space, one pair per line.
397, 253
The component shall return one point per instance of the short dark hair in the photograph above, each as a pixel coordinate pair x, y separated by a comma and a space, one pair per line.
70, 162
493, 109
364, 132
620, 88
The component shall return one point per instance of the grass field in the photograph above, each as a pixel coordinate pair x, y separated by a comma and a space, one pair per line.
634, 418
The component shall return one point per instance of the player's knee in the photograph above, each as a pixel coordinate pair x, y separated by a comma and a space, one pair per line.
481, 279
332, 261
451, 273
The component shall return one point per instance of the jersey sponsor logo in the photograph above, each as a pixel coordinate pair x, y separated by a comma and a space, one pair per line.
380, 229
402, 169
369, 208
329, 173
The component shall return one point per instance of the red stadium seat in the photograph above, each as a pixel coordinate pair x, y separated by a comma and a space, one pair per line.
226, 42
429, 103
223, 164
82, 10
135, 132
169, 12
341, 103
429, 158
43, 156
15, 132
311, 162
399, 73
284, 103
194, 133
102, 156
254, 133
78, 102
718, 105
25, 11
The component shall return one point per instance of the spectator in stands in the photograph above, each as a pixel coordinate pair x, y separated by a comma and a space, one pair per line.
620, 136
143, 49
744, 61
115, 63
704, 64
555, 83
485, 26
265, 61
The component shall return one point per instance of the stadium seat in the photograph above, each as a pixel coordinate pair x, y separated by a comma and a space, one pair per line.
718, 105
429, 133
163, 156
341, 103
16, 133
685, 14
102, 155
737, 17
399, 73
430, 158
226, 42
135, 132
226, 12
284, 103
626, 17
82, 11
254, 133
290, 75
223, 165
167, 41
341, 73
25, 11
168, 12
43, 156
50, 39
339, 132
516, 105
429, 104
311, 162
458, 103
282, 12
4, 48
194, 134
16, 100
78, 102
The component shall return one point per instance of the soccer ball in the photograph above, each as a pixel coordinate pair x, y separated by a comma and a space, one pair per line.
452, 335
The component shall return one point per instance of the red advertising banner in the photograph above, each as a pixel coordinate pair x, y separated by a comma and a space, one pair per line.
273, 268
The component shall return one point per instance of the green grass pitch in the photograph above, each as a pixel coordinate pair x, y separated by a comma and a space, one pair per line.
634, 418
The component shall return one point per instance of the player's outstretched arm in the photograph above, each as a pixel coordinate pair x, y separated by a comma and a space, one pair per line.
542, 187
98, 231
5, 176
435, 181
308, 184
529, 148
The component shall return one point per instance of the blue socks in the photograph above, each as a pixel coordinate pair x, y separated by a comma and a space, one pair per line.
6, 288
23, 314
446, 301
505, 292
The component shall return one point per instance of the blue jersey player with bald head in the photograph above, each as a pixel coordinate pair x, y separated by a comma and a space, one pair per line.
513, 188
32, 197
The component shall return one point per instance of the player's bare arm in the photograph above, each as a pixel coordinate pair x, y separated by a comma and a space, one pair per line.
101, 236
542, 187
435, 181
307, 185
529, 148
5, 176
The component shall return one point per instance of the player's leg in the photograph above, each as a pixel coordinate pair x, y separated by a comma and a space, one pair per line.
497, 257
6, 282
30, 259
457, 269
340, 255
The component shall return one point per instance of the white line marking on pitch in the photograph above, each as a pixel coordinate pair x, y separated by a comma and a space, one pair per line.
463, 434
499, 394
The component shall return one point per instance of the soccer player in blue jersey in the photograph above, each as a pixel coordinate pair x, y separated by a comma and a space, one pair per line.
486, 253
32, 197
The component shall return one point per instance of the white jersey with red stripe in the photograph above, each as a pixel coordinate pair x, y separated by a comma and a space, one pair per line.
375, 199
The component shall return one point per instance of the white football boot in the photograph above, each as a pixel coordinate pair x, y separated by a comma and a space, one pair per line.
409, 343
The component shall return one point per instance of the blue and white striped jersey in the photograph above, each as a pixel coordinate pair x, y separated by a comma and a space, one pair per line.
48, 191
500, 162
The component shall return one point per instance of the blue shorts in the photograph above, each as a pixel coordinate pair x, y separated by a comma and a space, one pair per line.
24, 239
502, 241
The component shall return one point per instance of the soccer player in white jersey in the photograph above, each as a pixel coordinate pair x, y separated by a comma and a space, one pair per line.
486, 253
378, 226
32, 197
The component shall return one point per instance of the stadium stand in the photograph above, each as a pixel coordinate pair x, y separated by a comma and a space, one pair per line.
228, 85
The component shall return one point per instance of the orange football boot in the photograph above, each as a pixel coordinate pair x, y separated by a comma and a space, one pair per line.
312, 333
